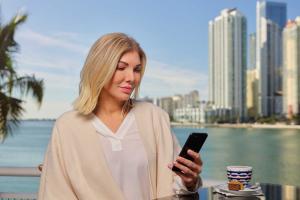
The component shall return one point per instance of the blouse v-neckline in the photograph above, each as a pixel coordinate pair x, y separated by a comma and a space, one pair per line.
103, 129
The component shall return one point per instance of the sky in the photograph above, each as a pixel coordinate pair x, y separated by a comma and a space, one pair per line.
57, 35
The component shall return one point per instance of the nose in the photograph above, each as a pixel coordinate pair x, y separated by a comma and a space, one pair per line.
129, 75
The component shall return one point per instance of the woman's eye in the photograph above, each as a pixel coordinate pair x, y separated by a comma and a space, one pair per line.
138, 69
120, 68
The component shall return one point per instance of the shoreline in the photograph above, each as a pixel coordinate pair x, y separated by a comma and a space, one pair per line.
254, 126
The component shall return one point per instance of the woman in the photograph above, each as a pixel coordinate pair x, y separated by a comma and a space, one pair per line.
111, 146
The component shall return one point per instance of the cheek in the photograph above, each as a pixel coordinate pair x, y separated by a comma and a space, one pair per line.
137, 79
117, 77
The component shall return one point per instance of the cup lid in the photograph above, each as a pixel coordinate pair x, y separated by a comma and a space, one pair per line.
239, 168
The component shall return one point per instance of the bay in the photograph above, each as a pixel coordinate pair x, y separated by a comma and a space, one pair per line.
273, 153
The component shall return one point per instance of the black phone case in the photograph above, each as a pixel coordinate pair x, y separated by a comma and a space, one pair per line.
194, 142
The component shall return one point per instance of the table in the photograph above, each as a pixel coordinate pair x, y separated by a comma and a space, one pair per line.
271, 192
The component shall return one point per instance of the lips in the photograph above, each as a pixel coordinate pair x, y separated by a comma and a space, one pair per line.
126, 89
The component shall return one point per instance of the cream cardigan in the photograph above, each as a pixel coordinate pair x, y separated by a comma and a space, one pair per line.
75, 167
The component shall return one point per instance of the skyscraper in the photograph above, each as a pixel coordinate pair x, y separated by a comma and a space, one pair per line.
270, 21
227, 63
291, 68
251, 93
252, 51
251, 79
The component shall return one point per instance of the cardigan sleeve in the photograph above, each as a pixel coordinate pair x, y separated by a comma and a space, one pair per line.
54, 183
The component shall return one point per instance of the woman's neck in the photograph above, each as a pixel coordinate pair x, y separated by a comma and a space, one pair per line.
108, 106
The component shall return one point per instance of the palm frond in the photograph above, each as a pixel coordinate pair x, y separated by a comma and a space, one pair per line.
30, 84
8, 44
26, 84
10, 111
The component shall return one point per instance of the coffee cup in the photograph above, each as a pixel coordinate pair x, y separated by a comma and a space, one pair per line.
242, 174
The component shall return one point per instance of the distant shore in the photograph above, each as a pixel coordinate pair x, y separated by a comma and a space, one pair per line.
267, 126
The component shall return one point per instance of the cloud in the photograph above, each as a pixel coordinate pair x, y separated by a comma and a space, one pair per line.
52, 41
162, 79
66, 35
40, 62
60, 91
54, 80
50, 109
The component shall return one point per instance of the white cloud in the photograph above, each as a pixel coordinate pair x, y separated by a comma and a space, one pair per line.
51, 109
163, 80
46, 40
60, 91
41, 62
66, 35
53, 80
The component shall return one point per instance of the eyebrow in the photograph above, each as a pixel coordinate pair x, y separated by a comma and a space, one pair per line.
125, 63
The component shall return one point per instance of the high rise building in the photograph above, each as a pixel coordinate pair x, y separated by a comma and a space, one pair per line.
291, 68
228, 64
177, 101
182, 107
191, 99
270, 21
166, 103
252, 51
251, 79
251, 93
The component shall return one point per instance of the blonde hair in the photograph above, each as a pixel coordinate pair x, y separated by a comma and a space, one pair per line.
100, 66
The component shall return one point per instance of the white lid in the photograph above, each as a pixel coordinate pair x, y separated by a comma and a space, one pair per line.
239, 168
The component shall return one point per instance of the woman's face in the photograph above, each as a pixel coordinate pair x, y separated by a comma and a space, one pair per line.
126, 77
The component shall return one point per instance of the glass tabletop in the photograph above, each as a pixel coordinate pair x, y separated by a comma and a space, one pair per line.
270, 192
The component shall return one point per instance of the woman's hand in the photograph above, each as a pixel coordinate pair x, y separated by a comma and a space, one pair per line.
190, 170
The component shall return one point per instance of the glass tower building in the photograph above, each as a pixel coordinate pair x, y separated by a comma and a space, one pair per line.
270, 21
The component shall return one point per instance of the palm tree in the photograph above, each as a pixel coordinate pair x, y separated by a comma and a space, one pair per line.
11, 108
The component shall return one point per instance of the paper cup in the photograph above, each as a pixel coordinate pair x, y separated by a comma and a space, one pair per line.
242, 174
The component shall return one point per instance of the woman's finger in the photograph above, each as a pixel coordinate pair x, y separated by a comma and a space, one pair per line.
195, 156
190, 164
187, 171
185, 178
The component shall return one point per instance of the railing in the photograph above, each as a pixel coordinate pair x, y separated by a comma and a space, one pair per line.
19, 171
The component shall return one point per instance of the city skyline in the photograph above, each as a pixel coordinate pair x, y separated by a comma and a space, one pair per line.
54, 43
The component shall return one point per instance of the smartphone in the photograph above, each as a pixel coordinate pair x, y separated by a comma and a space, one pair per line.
194, 142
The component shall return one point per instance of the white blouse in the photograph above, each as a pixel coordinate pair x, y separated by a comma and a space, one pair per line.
127, 160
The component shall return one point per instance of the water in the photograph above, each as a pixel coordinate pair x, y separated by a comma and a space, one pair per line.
273, 153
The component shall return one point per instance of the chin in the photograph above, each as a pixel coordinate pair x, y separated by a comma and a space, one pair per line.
123, 97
